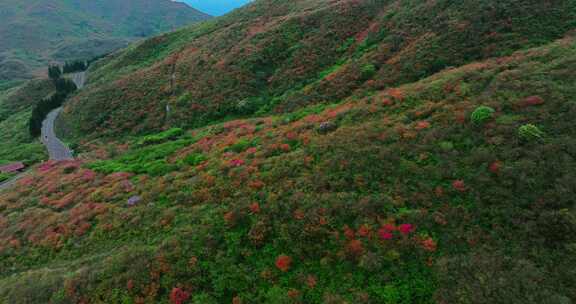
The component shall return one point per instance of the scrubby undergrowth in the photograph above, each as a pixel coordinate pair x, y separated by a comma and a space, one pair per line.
15, 110
401, 196
277, 56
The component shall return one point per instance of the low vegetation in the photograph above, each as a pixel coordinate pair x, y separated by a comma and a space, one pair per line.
402, 195
16, 106
282, 56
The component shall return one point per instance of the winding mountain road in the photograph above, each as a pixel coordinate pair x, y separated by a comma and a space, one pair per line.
57, 150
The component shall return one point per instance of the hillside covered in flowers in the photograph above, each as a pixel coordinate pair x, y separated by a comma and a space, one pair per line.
391, 152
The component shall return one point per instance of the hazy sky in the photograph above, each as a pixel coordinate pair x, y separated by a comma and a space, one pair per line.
216, 7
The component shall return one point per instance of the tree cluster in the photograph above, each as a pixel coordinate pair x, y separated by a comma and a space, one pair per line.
75, 66
54, 72
63, 88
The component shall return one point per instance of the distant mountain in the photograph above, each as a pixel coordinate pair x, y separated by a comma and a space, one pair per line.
216, 7
34, 32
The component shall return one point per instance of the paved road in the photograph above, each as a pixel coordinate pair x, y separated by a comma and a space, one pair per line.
56, 148
79, 79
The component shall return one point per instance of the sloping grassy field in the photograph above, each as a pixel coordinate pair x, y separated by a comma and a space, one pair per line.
16, 105
457, 188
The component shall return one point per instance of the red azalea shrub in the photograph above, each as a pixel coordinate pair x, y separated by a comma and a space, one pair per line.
406, 229
46, 166
349, 232
230, 218
355, 248
389, 227
364, 231
429, 244
422, 125
311, 281
495, 167
459, 185
88, 175
255, 208
385, 234
396, 93
178, 296
293, 293
387, 102
299, 215
236, 163
439, 191
283, 262
532, 101
256, 185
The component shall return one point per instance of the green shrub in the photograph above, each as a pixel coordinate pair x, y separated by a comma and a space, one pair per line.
194, 159
530, 132
150, 160
482, 114
4, 177
242, 144
160, 137
368, 71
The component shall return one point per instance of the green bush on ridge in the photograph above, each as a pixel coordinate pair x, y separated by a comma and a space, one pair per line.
482, 114
530, 132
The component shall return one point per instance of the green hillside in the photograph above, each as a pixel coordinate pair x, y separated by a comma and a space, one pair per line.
279, 56
16, 105
382, 151
36, 32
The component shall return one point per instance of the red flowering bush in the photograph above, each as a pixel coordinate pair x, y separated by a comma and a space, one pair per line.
459, 185
406, 229
532, 101
178, 296
283, 263
429, 244
255, 208
495, 167
236, 163
364, 231
422, 125
355, 248
385, 234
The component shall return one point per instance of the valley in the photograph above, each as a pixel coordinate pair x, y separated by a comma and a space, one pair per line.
37, 32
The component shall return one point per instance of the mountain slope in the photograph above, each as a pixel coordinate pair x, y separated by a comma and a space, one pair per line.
16, 105
35, 32
278, 56
408, 195
330, 151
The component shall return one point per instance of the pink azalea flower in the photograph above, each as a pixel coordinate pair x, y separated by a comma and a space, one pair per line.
406, 229
389, 227
385, 234
236, 162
